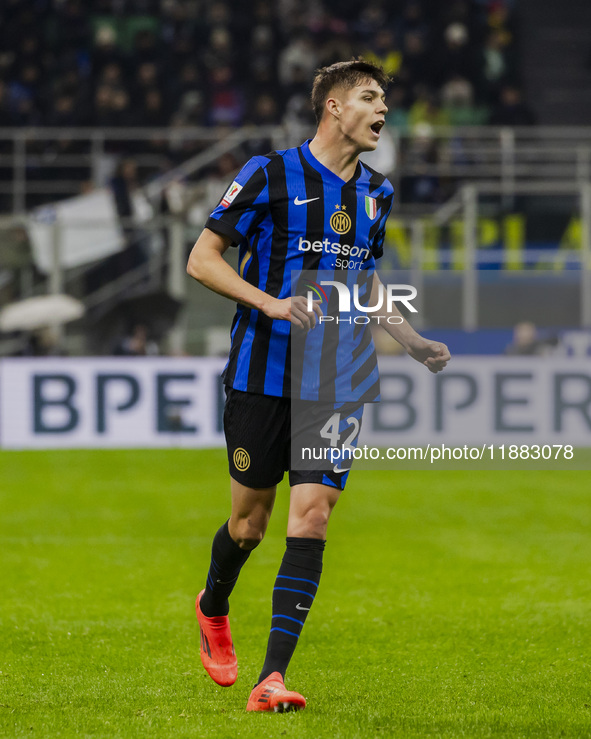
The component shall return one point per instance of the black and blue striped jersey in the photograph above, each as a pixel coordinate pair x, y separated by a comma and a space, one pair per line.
289, 214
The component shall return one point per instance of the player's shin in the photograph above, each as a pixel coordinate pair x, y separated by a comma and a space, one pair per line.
227, 559
293, 595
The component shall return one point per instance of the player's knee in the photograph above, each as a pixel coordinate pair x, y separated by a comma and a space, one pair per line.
314, 522
249, 543
249, 536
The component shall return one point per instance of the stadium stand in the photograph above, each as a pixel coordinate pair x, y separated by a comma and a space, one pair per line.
126, 63
120, 64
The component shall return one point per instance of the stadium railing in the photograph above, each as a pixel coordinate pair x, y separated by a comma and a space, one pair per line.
35, 162
500, 163
164, 269
470, 260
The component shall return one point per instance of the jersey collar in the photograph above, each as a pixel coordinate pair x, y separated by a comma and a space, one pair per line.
325, 171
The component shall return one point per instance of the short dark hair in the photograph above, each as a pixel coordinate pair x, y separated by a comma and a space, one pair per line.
346, 75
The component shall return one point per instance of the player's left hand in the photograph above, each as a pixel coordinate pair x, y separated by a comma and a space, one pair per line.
433, 354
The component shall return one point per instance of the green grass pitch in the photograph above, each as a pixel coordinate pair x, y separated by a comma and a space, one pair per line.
452, 604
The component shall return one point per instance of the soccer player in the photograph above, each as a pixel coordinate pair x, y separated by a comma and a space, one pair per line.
312, 207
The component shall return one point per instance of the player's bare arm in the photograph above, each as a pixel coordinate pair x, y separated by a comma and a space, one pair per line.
433, 354
207, 265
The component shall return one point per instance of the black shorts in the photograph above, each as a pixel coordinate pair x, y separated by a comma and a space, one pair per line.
267, 436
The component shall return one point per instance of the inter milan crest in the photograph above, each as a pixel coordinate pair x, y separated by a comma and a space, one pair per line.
241, 459
340, 222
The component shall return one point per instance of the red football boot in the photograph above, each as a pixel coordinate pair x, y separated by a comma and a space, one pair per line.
217, 649
272, 695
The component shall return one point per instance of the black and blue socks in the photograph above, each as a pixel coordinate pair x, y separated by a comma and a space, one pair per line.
227, 559
293, 595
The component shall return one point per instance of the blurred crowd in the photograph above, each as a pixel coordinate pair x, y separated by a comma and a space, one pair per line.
228, 63
221, 64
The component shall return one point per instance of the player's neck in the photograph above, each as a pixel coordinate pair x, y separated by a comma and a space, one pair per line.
335, 154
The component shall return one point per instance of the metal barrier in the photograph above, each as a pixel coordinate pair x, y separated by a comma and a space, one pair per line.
28, 155
165, 269
507, 155
482, 162
465, 205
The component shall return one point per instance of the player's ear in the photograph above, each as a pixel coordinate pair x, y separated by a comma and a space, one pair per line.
333, 106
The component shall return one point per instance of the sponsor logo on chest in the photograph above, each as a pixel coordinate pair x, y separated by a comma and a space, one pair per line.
326, 247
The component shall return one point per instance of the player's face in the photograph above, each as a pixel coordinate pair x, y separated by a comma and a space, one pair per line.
362, 114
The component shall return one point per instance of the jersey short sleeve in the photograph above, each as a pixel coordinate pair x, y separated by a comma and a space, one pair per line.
243, 203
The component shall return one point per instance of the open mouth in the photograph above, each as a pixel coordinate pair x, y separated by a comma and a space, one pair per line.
377, 127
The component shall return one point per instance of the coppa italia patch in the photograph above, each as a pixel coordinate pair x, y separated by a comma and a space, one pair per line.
231, 193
